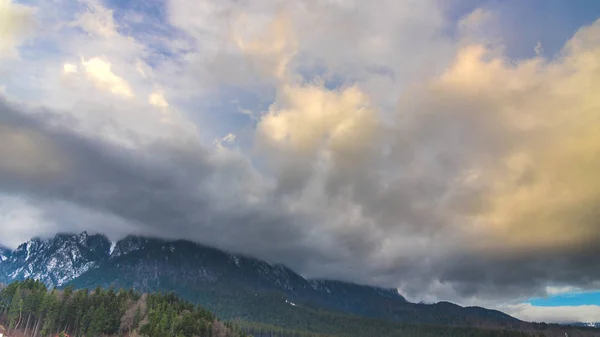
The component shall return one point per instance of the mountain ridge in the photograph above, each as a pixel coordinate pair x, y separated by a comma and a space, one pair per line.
595, 325
234, 286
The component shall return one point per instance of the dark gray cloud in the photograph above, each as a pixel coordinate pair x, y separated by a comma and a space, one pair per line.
167, 188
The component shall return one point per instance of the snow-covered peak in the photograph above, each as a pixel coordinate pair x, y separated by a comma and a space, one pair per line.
82, 237
27, 249
57, 260
4, 253
113, 245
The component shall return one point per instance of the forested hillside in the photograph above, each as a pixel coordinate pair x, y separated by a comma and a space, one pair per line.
33, 310
28, 308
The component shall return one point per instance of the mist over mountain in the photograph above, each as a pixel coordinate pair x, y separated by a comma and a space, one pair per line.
231, 285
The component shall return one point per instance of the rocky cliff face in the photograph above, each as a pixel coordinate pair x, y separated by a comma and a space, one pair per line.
55, 261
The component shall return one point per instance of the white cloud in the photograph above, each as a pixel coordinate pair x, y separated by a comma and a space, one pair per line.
273, 49
141, 68
382, 45
538, 48
97, 20
19, 219
552, 290
69, 68
228, 139
17, 23
93, 78
100, 73
555, 314
474, 21
157, 99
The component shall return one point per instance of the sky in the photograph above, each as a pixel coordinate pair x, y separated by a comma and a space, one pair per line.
447, 149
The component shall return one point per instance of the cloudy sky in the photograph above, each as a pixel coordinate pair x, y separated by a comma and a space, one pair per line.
449, 149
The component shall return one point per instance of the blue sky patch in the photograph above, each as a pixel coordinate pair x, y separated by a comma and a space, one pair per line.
572, 299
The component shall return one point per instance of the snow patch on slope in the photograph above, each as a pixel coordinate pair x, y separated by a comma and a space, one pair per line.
235, 259
55, 261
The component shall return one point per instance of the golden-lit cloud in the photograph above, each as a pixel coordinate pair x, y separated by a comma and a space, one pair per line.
270, 48
158, 100
69, 68
28, 153
543, 184
492, 159
99, 71
307, 117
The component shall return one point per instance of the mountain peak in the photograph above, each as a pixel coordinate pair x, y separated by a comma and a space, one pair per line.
130, 244
55, 261
82, 237
4, 253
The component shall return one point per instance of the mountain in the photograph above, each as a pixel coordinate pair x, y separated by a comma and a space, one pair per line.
234, 286
55, 261
4, 253
587, 324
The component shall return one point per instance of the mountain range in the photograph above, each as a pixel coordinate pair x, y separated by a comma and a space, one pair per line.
585, 324
233, 286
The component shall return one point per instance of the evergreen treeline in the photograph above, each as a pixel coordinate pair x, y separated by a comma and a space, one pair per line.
364, 327
34, 310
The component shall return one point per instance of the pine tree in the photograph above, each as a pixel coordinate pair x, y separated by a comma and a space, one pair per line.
52, 312
137, 318
16, 310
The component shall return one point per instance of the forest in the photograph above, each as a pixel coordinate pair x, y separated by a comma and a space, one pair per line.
29, 308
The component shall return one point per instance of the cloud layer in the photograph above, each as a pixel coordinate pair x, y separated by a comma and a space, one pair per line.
397, 147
